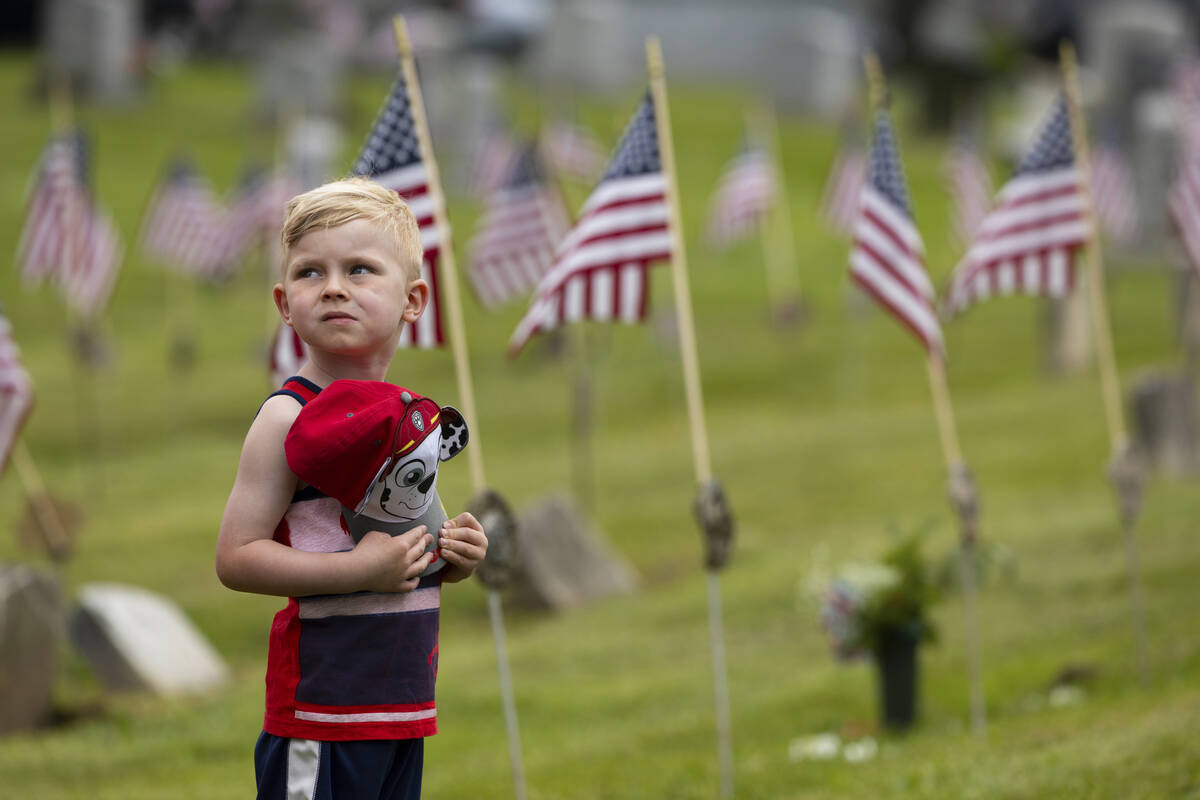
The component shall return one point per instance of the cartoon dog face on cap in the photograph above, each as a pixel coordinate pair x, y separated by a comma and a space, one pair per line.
406, 489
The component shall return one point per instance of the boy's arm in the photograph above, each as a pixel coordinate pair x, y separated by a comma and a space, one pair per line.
464, 545
250, 560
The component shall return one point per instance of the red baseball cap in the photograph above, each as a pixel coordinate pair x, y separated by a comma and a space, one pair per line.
348, 436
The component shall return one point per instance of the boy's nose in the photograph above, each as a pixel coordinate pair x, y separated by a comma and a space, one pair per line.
333, 288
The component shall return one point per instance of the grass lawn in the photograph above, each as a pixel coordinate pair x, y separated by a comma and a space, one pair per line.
824, 437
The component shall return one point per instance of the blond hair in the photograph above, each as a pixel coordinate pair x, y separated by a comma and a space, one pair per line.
339, 202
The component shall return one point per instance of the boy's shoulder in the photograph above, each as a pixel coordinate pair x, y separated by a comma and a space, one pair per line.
274, 419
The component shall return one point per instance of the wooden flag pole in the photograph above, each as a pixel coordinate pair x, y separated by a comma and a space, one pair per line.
449, 272
1106, 360
961, 486
462, 368
54, 533
695, 402
61, 120
779, 253
1126, 471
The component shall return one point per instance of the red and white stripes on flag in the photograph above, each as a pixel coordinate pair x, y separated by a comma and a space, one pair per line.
56, 199
600, 269
288, 354
887, 259
66, 237
16, 392
744, 195
1115, 194
392, 158
1183, 204
839, 202
1028, 240
185, 225
522, 224
87, 280
573, 151
970, 189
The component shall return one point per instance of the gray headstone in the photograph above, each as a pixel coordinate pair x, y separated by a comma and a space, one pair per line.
1068, 348
314, 147
31, 623
1130, 46
1164, 415
1156, 143
94, 43
299, 74
599, 45
135, 639
562, 561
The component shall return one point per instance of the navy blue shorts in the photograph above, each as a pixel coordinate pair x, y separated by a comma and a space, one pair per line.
302, 769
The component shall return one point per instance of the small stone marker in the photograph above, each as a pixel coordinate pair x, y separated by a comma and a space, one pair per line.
562, 562
30, 627
137, 640
1164, 415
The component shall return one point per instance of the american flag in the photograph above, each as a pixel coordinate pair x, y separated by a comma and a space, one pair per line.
573, 151
88, 278
256, 211
887, 259
522, 224
16, 392
1183, 204
392, 158
57, 200
970, 188
185, 224
288, 353
492, 160
1115, 194
600, 269
1029, 238
67, 238
839, 202
1185, 86
744, 194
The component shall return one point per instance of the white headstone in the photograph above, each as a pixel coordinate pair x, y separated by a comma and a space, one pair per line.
136, 639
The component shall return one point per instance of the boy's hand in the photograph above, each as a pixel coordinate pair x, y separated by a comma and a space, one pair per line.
464, 545
393, 563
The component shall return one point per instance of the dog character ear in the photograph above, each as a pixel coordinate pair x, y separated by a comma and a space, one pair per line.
454, 433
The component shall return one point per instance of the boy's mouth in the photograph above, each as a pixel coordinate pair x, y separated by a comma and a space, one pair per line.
336, 315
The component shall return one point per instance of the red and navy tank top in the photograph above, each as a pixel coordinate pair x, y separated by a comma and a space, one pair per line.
354, 666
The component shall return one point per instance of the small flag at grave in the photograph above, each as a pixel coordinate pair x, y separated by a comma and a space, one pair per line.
600, 269
1028, 240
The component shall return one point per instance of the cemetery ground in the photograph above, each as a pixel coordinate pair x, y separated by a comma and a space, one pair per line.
823, 436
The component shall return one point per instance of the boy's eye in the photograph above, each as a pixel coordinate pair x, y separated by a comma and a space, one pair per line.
360, 269
306, 272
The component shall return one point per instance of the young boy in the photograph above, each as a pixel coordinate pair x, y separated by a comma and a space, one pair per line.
349, 679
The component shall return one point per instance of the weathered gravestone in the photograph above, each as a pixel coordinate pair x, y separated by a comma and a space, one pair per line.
1130, 46
1164, 415
562, 562
30, 629
1156, 143
1068, 347
93, 44
137, 640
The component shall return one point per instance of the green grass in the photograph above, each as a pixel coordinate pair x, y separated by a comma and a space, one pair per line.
823, 436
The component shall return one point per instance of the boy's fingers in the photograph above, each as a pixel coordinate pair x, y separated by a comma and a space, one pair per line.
466, 520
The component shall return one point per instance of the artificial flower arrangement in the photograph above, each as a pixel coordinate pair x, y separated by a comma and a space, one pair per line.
867, 603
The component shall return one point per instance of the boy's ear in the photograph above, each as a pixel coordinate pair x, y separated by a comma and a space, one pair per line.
418, 298
281, 303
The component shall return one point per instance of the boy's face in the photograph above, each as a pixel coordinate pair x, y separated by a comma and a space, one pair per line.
346, 292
